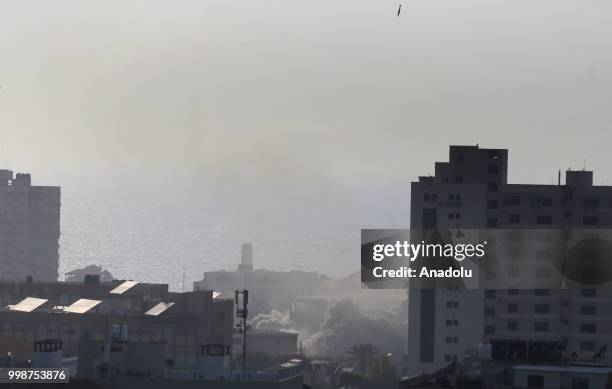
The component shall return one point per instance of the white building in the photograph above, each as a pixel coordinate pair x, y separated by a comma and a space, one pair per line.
29, 229
471, 192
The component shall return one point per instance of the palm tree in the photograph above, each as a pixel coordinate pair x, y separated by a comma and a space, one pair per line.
362, 354
332, 370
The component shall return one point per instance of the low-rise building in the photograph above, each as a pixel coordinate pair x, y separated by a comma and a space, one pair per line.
271, 343
562, 377
71, 313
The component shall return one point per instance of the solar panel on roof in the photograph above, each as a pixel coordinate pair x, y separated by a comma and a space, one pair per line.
124, 287
159, 309
29, 304
82, 306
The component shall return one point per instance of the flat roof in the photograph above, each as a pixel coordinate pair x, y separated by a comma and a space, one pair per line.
566, 369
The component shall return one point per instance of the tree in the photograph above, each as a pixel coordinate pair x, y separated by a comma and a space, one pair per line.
352, 380
382, 373
362, 355
332, 371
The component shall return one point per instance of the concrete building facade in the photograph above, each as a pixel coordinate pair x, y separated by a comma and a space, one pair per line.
471, 191
194, 319
29, 229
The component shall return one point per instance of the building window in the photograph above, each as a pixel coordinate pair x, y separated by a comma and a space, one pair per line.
492, 186
512, 326
515, 218
588, 292
459, 179
542, 201
454, 197
541, 308
489, 329
493, 169
430, 197
541, 326
492, 204
460, 158
591, 202
454, 215
590, 220
544, 219
512, 308
490, 293
587, 328
513, 292
489, 311
492, 222
588, 310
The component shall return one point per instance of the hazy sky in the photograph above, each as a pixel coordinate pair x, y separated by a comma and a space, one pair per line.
314, 91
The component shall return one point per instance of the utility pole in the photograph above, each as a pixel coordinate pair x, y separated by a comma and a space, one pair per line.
242, 314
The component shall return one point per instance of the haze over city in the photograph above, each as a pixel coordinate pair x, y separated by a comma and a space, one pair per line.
178, 111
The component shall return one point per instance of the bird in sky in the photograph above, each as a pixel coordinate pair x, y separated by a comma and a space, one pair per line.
399, 10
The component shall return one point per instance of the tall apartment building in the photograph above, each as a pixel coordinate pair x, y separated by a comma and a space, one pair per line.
471, 192
29, 228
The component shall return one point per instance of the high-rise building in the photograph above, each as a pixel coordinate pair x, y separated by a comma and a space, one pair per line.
471, 191
29, 229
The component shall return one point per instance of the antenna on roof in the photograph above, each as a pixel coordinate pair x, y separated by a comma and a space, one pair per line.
559, 178
183, 280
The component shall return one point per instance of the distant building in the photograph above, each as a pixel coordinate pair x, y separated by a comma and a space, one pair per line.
246, 258
79, 275
29, 229
308, 313
271, 343
140, 359
471, 191
555, 377
268, 289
